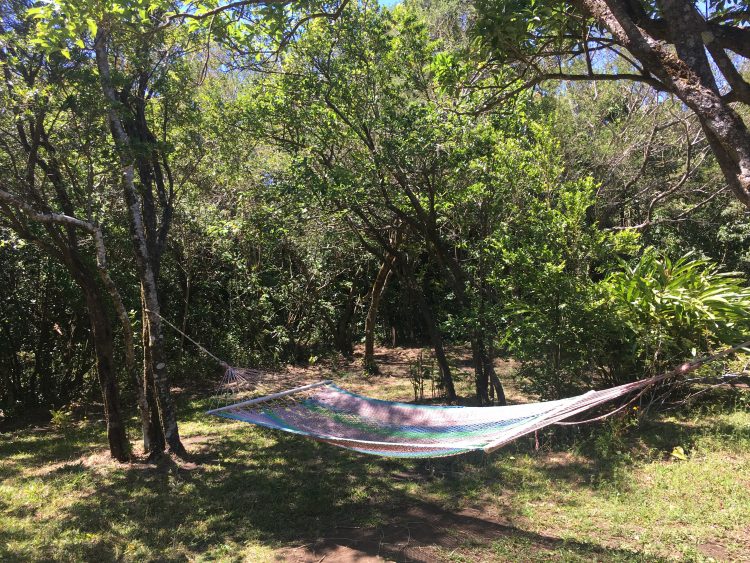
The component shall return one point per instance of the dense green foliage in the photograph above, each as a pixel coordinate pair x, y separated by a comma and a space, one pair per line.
45, 355
665, 308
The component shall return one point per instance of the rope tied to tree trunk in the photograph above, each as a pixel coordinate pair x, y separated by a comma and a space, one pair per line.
200, 347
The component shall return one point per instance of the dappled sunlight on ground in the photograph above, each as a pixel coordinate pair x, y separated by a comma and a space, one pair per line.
392, 382
252, 494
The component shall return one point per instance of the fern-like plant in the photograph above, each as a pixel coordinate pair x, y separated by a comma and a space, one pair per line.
663, 311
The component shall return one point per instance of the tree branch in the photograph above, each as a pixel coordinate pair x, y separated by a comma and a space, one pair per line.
220, 9
49, 217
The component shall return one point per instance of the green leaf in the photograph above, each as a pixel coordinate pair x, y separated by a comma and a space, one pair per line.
679, 453
91, 24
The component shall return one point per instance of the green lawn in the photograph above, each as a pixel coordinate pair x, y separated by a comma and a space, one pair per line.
251, 494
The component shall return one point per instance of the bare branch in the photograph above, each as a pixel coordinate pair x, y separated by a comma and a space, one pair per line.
220, 9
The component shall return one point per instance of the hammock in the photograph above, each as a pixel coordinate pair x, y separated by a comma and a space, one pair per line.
325, 412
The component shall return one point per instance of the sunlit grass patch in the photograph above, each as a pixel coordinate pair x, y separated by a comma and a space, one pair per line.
655, 505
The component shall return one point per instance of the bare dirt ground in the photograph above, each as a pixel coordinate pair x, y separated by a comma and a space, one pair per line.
393, 381
423, 533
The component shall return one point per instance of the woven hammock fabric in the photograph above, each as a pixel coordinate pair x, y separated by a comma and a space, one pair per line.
325, 412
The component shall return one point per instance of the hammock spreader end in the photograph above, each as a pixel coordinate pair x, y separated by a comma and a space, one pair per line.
271, 397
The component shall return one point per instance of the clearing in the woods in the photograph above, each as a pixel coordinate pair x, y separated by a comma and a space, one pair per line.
252, 494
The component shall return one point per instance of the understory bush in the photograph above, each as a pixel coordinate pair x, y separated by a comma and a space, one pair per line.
665, 311
640, 320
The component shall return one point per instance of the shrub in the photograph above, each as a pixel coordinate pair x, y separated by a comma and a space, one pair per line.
62, 418
641, 319
663, 311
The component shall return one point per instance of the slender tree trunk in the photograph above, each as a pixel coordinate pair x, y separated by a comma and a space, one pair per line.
103, 338
42, 367
378, 289
481, 377
154, 434
489, 368
485, 348
156, 374
185, 311
119, 446
487, 382
144, 261
343, 336
457, 277
432, 330
446, 378
127, 336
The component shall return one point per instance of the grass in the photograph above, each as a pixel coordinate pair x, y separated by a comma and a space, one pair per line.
255, 495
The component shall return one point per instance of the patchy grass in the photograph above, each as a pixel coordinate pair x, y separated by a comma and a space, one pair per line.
255, 495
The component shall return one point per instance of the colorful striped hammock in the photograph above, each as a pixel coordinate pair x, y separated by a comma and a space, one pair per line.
325, 412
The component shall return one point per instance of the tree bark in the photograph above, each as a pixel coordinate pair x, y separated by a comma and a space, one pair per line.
481, 377
487, 382
686, 74
378, 289
489, 368
119, 446
155, 433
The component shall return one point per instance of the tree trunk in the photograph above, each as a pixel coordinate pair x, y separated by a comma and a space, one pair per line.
66, 250
146, 264
489, 368
487, 382
378, 289
127, 337
446, 379
436, 339
686, 73
157, 373
481, 377
185, 312
153, 436
458, 280
343, 336
42, 360
119, 446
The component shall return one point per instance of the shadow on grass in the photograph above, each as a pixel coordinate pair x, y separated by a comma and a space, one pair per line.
664, 435
253, 487
288, 494
44, 445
